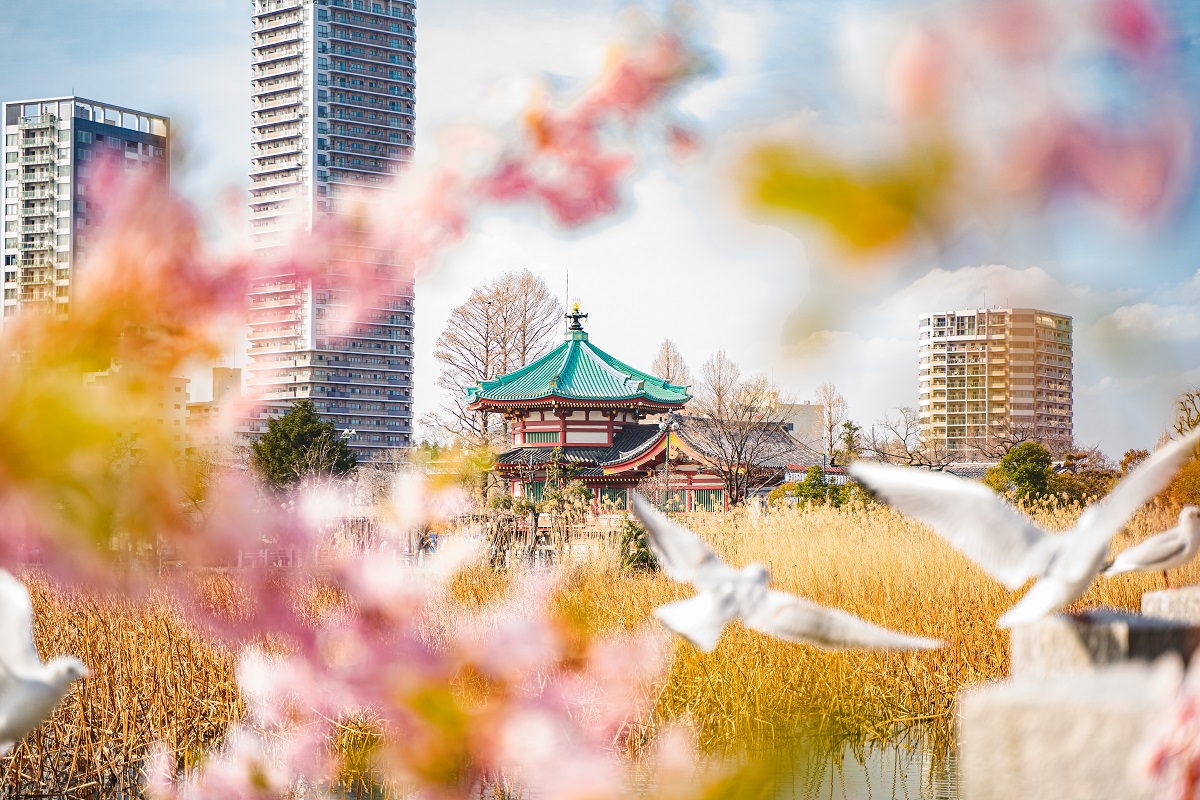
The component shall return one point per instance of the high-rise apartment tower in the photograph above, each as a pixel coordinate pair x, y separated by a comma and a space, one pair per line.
49, 145
332, 118
990, 376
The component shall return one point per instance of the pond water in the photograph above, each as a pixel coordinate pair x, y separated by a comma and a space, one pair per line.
891, 772
905, 771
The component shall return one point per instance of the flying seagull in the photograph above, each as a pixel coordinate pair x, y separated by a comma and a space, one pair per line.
29, 689
1163, 551
1007, 544
726, 594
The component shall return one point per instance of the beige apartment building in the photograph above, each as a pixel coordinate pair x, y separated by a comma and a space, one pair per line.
988, 376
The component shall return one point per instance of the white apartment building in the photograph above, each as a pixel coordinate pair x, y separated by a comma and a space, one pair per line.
986, 374
333, 115
48, 146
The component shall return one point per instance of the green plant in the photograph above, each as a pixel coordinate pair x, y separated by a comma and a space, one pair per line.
815, 489
1025, 473
299, 445
636, 555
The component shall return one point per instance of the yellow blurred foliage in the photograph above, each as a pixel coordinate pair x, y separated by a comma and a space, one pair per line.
865, 208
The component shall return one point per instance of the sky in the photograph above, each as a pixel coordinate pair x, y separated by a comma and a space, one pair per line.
683, 260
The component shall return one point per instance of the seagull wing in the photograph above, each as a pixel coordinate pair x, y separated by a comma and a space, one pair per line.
1101, 521
18, 653
1157, 552
967, 514
698, 619
682, 554
789, 617
1044, 597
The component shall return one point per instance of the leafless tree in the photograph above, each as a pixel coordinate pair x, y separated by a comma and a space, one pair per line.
1005, 436
896, 439
1188, 416
833, 407
504, 325
738, 424
670, 366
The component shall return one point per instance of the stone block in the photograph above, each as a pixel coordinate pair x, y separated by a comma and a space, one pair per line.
1069, 737
1180, 605
1065, 643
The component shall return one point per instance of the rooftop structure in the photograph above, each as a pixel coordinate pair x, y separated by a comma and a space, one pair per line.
210, 423
49, 145
989, 377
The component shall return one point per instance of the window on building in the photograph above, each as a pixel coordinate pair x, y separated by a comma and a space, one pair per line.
675, 501
709, 500
541, 437
614, 499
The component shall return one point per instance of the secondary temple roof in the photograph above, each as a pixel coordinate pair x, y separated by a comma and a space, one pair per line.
577, 370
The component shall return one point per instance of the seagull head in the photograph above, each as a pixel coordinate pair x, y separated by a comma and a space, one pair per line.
66, 670
1189, 517
757, 573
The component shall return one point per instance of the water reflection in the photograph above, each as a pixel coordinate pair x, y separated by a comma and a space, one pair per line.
879, 772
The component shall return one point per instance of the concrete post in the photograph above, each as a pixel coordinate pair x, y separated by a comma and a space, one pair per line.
1069, 737
1064, 643
1180, 605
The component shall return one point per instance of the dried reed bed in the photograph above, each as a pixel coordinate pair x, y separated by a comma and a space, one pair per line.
755, 691
154, 679
157, 678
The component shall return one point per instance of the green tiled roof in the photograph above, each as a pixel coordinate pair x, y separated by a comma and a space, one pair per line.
578, 370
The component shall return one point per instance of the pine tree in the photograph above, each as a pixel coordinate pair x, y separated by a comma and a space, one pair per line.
299, 445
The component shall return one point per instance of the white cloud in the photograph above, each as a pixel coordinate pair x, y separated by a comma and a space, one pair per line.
1155, 322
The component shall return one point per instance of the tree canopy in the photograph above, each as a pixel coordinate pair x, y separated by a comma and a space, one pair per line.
503, 325
1025, 472
298, 445
815, 489
670, 366
739, 424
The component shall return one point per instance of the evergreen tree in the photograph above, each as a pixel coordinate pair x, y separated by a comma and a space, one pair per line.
300, 444
1025, 472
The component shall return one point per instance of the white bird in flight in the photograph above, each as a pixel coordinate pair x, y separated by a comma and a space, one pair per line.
29, 689
726, 594
1008, 545
1163, 551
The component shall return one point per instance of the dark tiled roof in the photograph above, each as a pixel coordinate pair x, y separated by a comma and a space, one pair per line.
975, 470
627, 443
778, 451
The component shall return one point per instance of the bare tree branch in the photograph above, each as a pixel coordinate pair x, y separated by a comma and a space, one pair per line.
896, 439
1188, 417
503, 325
738, 424
834, 409
670, 366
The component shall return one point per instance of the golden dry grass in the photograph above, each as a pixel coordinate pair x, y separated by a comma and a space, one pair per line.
160, 679
754, 690
154, 679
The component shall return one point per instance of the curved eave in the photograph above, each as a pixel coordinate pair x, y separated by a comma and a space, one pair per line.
659, 446
558, 400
